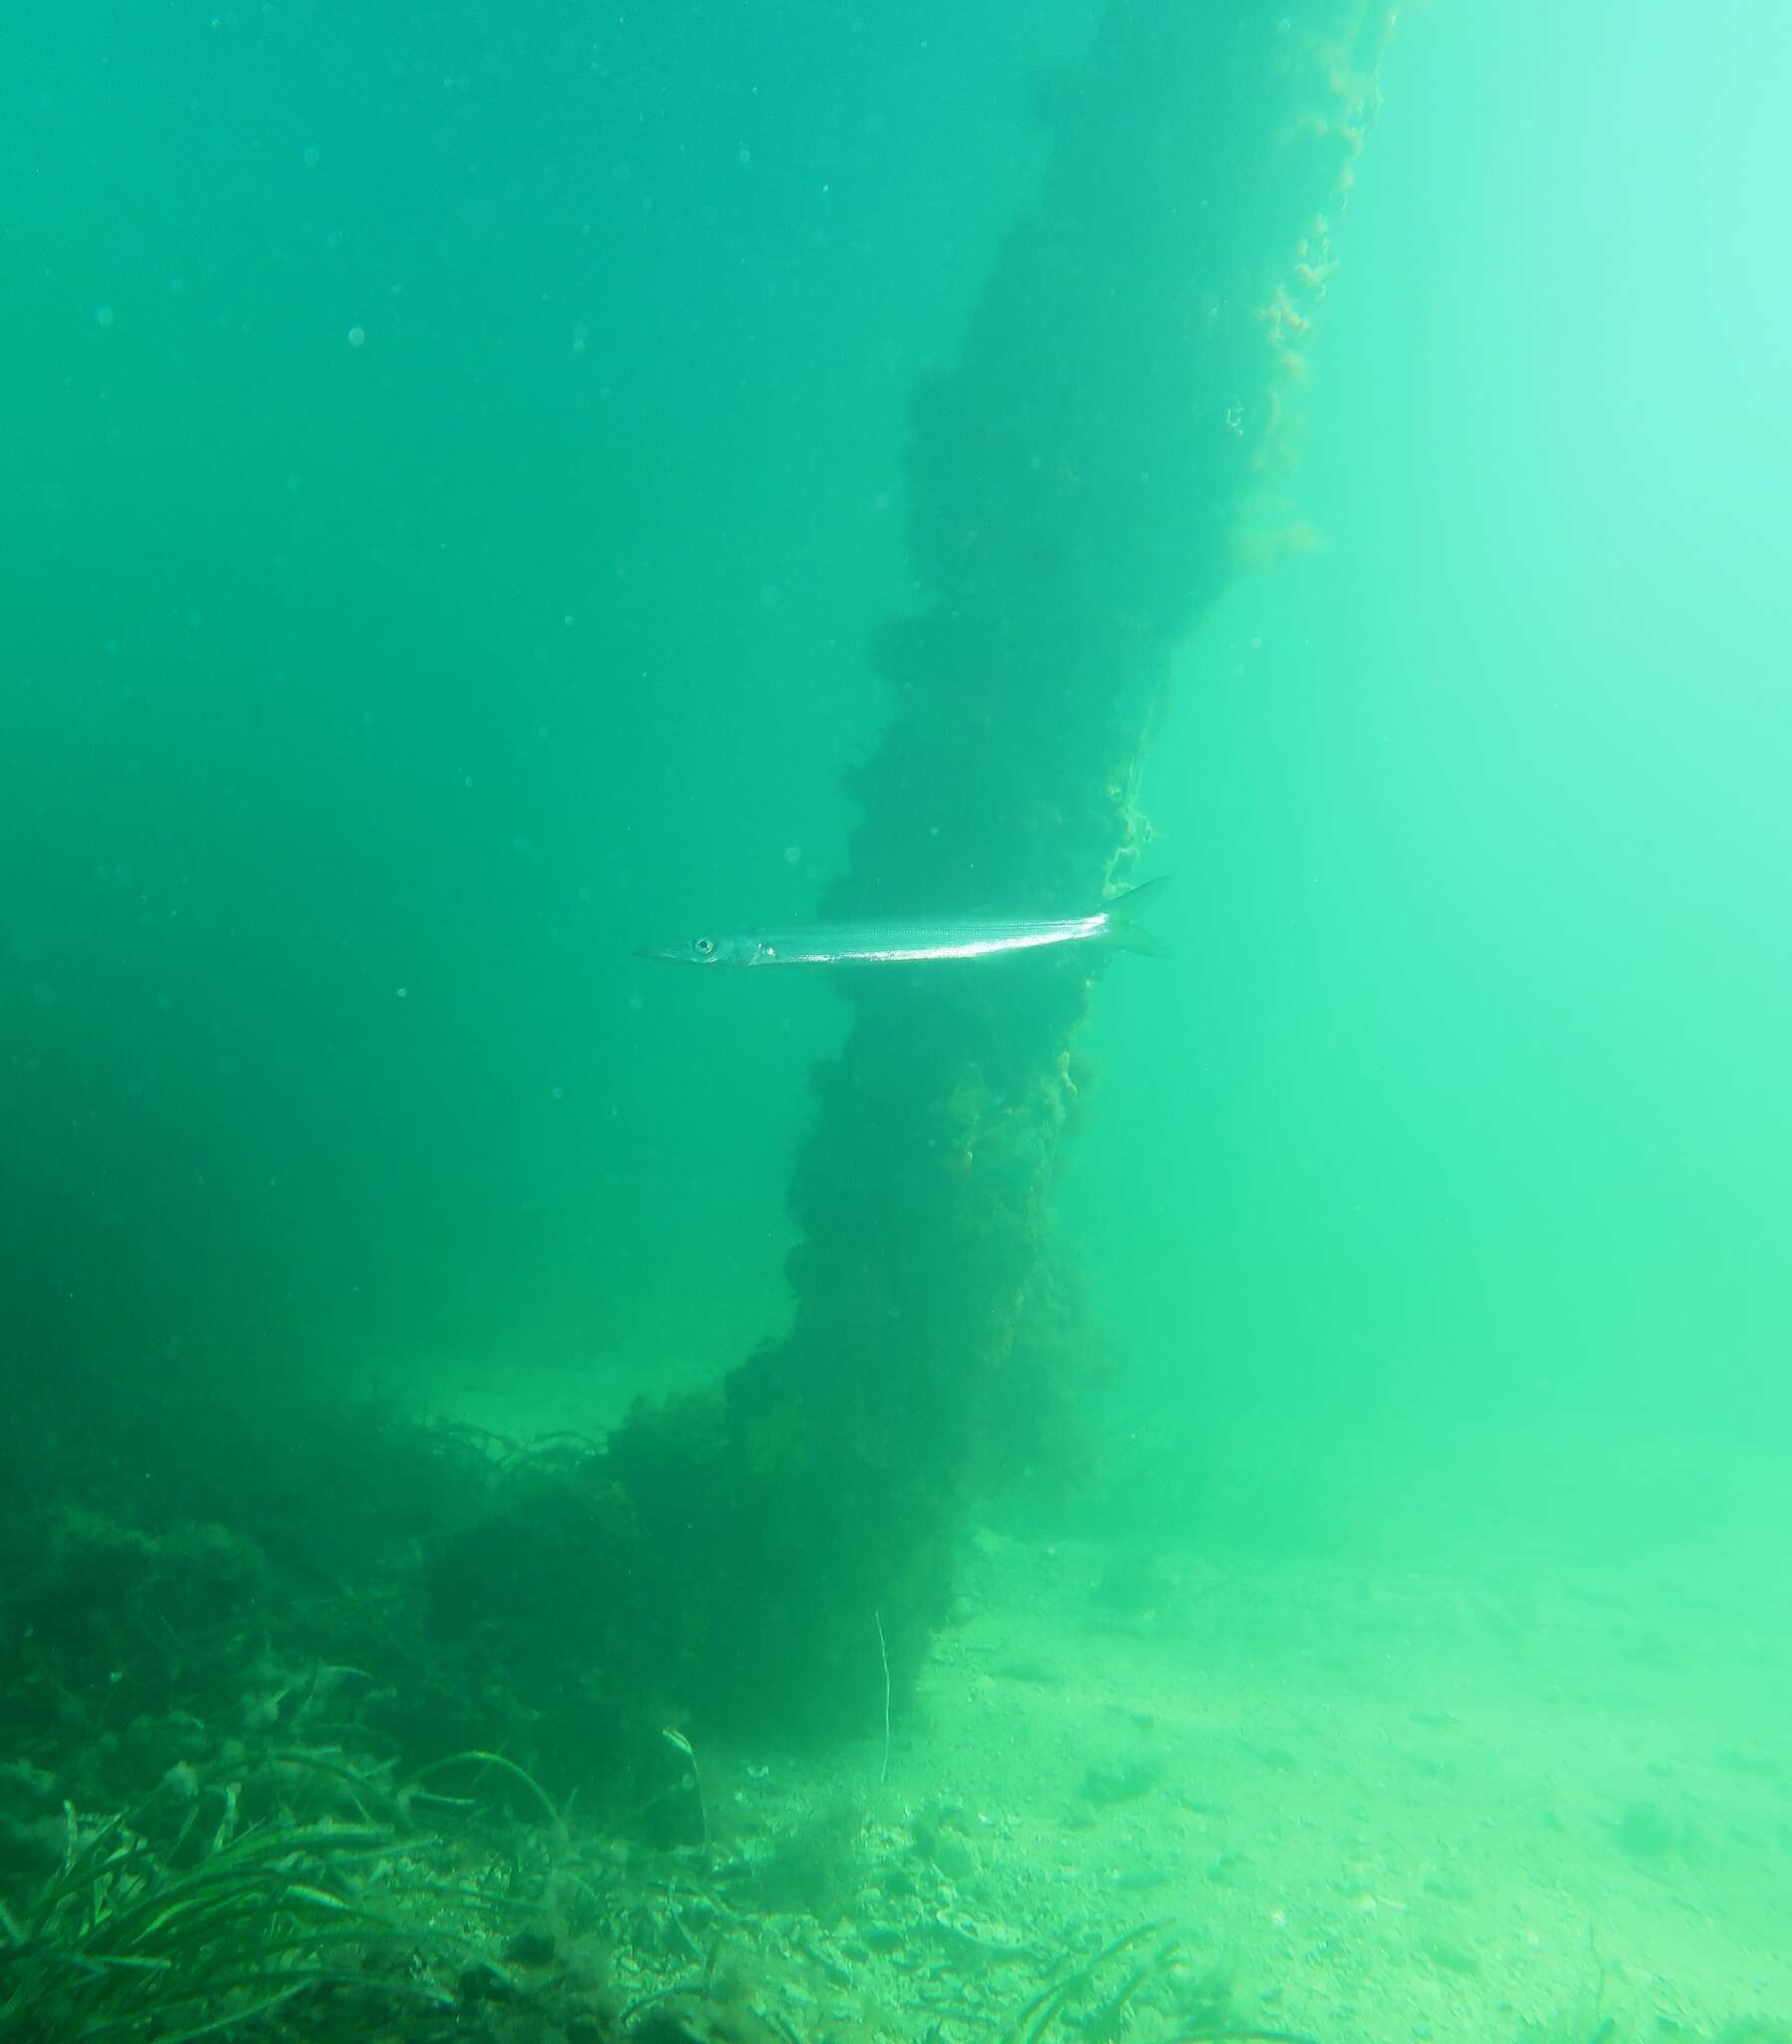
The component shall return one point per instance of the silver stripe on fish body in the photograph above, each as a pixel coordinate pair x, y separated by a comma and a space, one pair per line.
921, 941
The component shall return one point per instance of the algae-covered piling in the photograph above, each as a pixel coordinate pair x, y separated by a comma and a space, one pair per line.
1074, 488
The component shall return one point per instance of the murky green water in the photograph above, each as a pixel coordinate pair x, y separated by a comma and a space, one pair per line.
457, 469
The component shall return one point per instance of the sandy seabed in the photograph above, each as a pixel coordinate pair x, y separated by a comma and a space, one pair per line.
1367, 1796
1385, 1801
1357, 1801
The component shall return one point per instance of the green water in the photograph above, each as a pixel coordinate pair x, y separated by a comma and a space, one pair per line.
455, 471
1460, 1133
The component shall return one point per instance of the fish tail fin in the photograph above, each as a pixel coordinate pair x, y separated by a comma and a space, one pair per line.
1124, 933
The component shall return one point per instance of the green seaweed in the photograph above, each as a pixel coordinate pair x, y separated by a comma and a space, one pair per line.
491, 1763
177, 1918
1036, 2018
125, 1940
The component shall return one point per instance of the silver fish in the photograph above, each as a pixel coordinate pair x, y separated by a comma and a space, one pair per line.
922, 940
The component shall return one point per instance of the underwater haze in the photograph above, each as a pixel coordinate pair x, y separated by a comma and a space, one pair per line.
1453, 1169
461, 468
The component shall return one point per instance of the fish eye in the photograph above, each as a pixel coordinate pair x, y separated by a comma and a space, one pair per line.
704, 948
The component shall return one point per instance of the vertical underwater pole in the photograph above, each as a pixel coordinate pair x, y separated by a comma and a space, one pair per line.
1074, 487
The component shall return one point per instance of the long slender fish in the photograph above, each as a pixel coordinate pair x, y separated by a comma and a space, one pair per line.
922, 940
